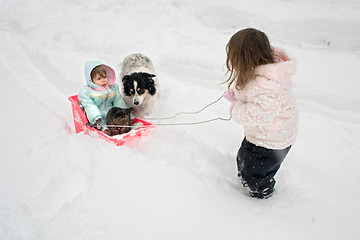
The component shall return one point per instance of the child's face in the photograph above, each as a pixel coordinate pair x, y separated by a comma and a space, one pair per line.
99, 80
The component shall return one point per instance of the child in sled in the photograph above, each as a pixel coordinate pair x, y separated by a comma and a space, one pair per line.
100, 94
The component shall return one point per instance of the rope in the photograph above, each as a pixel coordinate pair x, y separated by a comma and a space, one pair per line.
174, 124
166, 118
179, 124
192, 123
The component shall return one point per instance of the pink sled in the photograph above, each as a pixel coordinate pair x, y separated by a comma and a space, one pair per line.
81, 121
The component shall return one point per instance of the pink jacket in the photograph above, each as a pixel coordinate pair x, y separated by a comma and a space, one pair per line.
265, 106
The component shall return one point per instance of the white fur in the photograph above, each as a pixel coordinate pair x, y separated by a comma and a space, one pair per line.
138, 62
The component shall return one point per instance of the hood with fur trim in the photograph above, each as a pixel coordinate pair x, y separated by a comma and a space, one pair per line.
89, 66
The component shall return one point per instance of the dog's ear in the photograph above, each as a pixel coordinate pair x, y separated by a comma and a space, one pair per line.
151, 86
126, 77
149, 76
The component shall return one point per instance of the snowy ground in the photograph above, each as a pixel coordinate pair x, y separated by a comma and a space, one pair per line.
180, 182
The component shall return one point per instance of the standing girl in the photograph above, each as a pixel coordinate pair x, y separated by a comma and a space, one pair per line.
259, 87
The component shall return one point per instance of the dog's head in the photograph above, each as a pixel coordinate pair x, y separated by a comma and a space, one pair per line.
137, 85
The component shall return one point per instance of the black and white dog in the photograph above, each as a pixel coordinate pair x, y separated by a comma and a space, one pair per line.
140, 87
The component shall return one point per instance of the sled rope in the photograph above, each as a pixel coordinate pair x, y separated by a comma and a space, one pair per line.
192, 123
177, 114
173, 124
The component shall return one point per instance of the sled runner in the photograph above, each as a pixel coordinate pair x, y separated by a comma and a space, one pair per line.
82, 124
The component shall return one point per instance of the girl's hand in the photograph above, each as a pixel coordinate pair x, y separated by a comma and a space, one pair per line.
230, 95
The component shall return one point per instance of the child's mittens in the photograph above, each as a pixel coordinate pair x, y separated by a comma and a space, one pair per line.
97, 124
230, 96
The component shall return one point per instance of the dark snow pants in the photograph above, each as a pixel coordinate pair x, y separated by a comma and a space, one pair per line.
257, 167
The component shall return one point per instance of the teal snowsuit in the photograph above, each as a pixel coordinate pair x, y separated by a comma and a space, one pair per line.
98, 100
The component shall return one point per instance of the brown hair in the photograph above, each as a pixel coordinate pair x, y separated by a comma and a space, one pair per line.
246, 49
98, 70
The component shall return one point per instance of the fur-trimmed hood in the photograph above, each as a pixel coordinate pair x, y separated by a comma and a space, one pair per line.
89, 66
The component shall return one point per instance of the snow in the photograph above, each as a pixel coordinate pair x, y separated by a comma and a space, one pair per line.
179, 182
